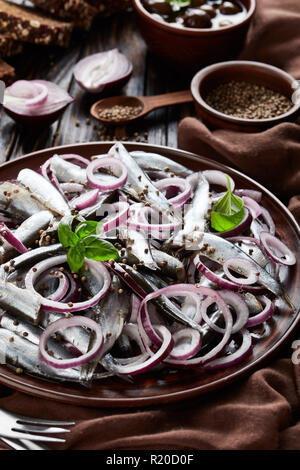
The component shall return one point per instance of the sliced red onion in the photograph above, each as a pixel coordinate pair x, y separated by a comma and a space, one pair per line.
135, 306
262, 316
241, 266
76, 159
252, 193
253, 206
37, 101
157, 357
8, 235
182, 184
119, 215
101, 71
235, 358
62, 289
265, 214
187, 343
139, 221
219, 178
97, 268
222, 282
271, 245
85, 200
233, 300
95, 181
62, 324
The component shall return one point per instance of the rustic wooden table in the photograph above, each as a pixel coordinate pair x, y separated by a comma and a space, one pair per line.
149, 77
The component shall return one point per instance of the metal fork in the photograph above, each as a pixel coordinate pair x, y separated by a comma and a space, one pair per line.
24, 444
15, 426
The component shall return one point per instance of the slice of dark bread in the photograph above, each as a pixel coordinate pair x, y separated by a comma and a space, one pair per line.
79, 12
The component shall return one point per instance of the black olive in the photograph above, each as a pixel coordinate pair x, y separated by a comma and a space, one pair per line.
196, 18
209, 10
197, 3
229, 8
158, 6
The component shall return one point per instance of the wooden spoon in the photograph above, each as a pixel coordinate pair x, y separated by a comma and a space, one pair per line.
145, 103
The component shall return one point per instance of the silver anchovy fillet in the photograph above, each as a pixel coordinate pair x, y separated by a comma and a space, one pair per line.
18, 200
66, 171
154, 161
19, 301
44, 191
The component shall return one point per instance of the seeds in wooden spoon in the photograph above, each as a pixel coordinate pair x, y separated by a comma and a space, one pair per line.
119, 112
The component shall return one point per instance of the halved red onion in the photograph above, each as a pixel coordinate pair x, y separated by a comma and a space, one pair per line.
235, 358
219, 178
8, 235
276, 249
96, 268
157, 357
253, 206
182, 184
119, 215
233, 300
85, 200
223, 282
262, 316
241, 266
62, 324
187, 343
95, 181
98, 72
35, 101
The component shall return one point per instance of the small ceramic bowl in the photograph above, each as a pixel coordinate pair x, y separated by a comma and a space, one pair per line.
191, 48
259, 73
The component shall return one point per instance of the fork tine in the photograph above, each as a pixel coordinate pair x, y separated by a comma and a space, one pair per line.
33, 437
16, 445
46, 422
39, 429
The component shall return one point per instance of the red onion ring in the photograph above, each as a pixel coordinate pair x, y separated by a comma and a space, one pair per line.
240, 228
62, 324
62, 289
219, 178
191, 348
139, 222
97, 267
268, 219
182, 184
270, 243
86, 199
119, 216
232, 359
235, 301
8, 235
252, 193
253, 206
241, 266
262, 316
83, 162
102, 163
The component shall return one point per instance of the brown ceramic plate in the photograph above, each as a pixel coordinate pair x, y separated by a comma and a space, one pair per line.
163, 387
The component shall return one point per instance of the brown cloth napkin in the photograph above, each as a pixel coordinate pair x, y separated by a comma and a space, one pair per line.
263, 410
271, 157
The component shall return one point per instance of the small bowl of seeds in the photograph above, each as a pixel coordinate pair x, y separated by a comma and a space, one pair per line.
245, 96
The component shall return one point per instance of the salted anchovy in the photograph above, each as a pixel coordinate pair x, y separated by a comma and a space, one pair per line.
169, 264
21, 302
43, 191
219, 250
66, 171
96, 208
138, 182
111, 314
195, 216
255, 252
33, 334
163, 303
76, 335
139, 247
153, 161
20, 353
18, 201
30, 258
27, 233
253, 304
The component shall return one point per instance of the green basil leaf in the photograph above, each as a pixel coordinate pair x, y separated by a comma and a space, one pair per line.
75, 257
227, 212
65, 235
88, 227
223, 222
99, 250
